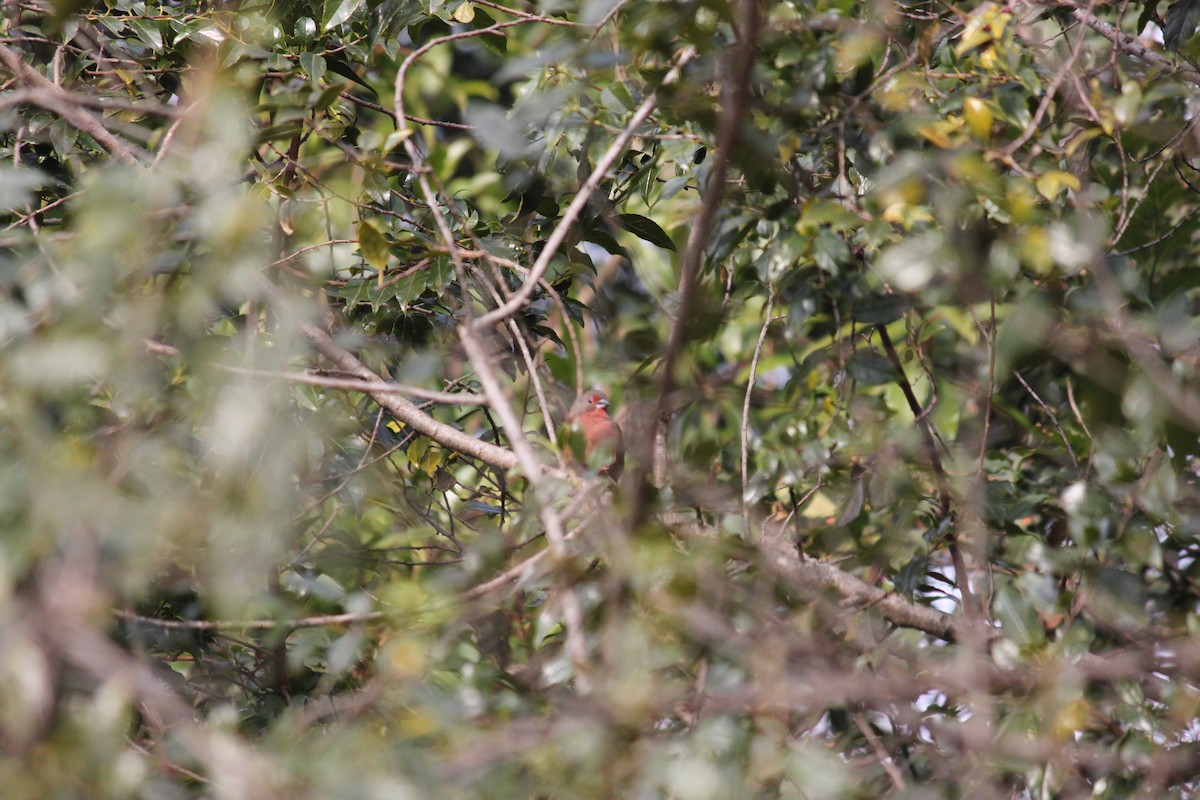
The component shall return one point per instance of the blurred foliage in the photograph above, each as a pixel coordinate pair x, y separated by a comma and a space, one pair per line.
943, 315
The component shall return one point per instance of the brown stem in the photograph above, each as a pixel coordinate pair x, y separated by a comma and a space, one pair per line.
970, 604
53, 98
737, 99
403, 409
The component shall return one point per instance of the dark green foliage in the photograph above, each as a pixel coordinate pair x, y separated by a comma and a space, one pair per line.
917, 297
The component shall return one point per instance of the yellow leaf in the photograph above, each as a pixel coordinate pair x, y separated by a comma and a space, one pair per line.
985, 25
857, 49
939, 133
827, 212
372, 245
907, 216
418, 721
979, 118
1073, 717
998, 21
417, 451
395, 138
821, 507
431, 460
464, 14
406, 657
1082, 139
1035, 251
1020, 199
1053, 182
908, 191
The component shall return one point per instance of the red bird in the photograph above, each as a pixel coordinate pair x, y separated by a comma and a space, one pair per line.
600, 431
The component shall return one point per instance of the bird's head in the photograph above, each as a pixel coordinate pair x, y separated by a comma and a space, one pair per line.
591, 400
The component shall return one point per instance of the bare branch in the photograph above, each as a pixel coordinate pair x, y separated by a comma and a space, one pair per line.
745, 426
52, 98
404, 410
736, 105
368, 387
817, 577
1129, 44
322, 621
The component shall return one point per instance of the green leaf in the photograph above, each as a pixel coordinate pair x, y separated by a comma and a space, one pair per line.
911, 576
827, 212
338, 11
1017, 617
327, 96
148, 31
410, 288
495, 43
603, 238
871, 368
882, 309
1051, 183
645, 229
284, 130
1180, 23
338, 66
313, 65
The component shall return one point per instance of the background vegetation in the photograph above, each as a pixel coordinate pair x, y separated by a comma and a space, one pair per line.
895, 300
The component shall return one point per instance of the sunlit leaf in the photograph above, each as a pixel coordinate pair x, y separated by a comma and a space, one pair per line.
1049, 184
338, 11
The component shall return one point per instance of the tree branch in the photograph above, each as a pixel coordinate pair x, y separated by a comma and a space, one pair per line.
970, 605
737, 103
403, 409
53, 98
818, 577
1130, 45
383, 387
579, 203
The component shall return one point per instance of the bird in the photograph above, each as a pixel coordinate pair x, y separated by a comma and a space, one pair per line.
601, 433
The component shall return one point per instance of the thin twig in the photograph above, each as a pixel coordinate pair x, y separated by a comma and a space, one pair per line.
383, 387
53, 98
1053, 418
762, 337
525, 15
988, 335
555, 535
969, 603
582, 197
881, 754
1048, 98
1075, 408
252, 624
1129, 44
736, 104
403, 409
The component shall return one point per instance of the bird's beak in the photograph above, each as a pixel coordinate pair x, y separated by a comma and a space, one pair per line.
601, 404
